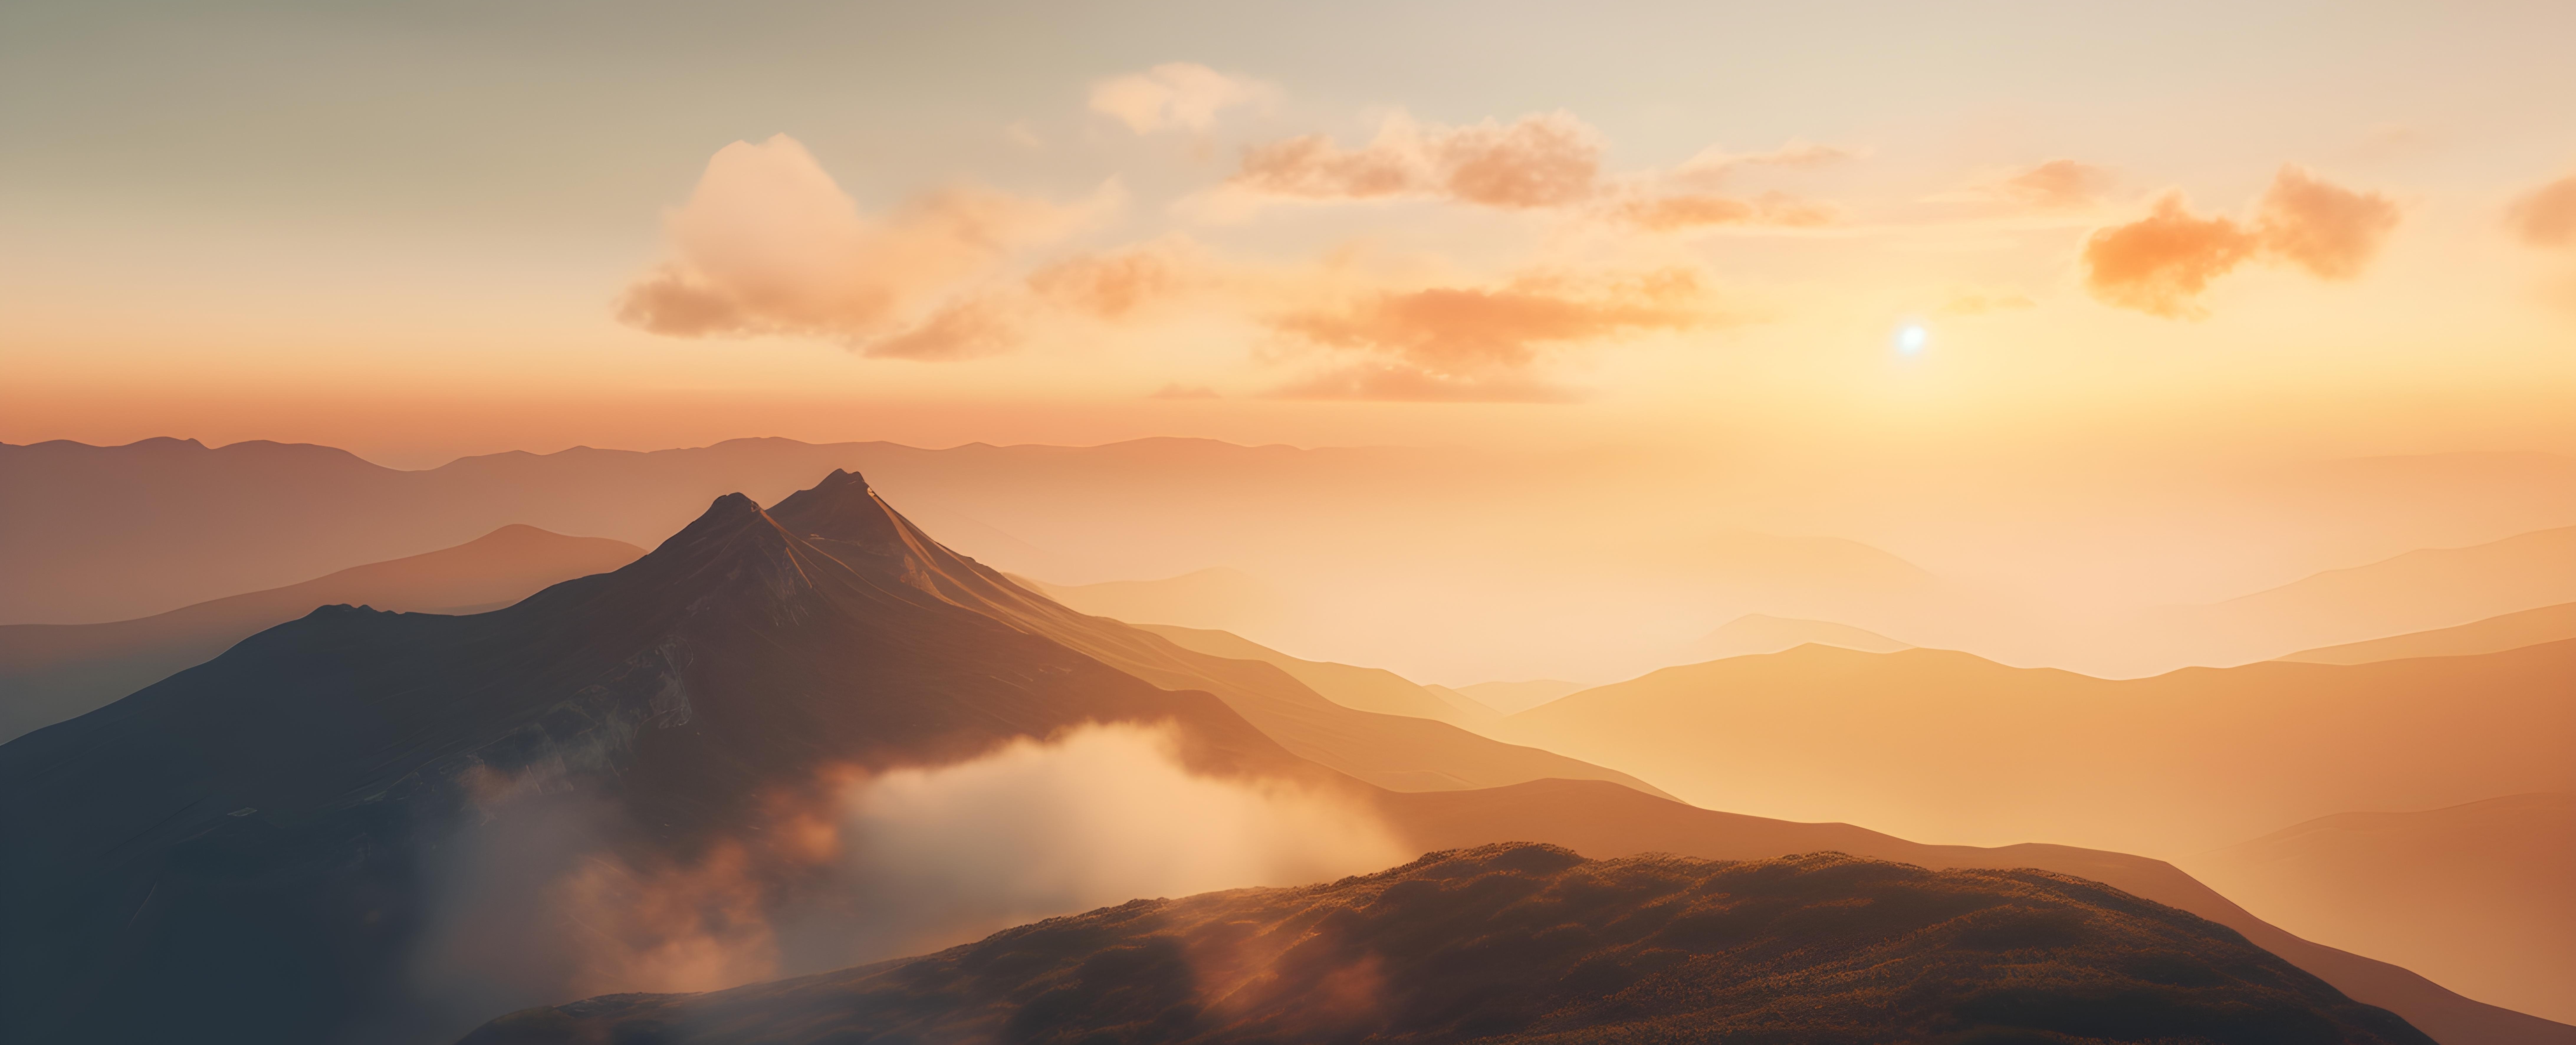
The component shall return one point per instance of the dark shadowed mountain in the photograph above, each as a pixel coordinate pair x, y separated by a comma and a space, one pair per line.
1526, 943
236, 853
51, 672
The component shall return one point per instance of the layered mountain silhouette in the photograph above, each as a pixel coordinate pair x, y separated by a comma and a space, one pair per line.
2492, 635
244, 851
2475, 896
1931, 743
1524, 943
51, 672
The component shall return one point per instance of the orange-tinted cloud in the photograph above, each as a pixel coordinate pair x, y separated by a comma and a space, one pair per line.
1462, 332
769, 244
2057, 185
1454, 344
1175, 94
1543, 160
1109, 286
2547, 216
2329, 230
2160, 263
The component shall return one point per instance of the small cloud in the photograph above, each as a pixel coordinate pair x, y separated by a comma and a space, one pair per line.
1018, 132
1177, 390
1543, 160
2057, 185
2160, 264
1183, 95
1463, 332
1109, 286
2546, 216
2331, 231
769, 244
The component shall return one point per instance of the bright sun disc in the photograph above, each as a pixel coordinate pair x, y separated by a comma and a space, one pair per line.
1911, 339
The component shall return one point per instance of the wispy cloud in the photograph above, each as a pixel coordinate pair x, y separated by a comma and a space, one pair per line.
769, 244
1174, 95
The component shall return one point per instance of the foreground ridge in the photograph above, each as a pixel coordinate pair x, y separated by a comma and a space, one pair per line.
1525, 942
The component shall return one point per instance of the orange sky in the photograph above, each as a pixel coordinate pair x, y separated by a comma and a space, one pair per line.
2347, 232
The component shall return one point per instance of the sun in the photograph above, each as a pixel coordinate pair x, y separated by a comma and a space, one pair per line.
1911, 338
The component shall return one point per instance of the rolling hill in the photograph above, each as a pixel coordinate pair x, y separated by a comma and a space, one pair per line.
1526, 943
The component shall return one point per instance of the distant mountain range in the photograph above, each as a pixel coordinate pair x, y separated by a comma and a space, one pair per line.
1527, 943
253, 848
51, 672
1467, 552
1940, 744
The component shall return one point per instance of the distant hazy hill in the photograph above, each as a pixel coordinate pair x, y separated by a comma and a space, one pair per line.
2492, 635
2478, 896
1936, 744
1527, 943
2418, 591
51, 672
1760, 633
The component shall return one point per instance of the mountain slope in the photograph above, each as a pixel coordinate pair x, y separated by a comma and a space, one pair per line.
1364, 689
2492, 635
238, 852
2475, 896
51, 672
1935, 744
1529, 943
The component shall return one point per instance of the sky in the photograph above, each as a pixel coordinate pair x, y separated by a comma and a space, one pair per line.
1840, 231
